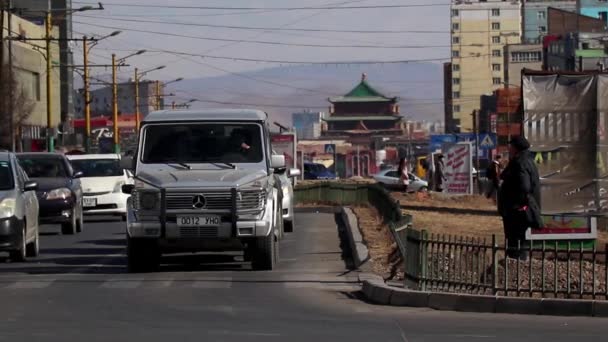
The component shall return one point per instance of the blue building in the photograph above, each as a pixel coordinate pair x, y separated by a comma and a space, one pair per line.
307, 124
595, 8
535, 14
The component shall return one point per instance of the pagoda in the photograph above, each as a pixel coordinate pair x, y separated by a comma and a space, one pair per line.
362, 114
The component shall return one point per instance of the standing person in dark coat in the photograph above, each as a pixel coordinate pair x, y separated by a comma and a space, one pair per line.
519, 196
439, 173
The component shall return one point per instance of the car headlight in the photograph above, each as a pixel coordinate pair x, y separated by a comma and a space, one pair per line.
148, 200
118, 187
7, 207
61, 193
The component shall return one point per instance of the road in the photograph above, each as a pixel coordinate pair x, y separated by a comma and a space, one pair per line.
78, 290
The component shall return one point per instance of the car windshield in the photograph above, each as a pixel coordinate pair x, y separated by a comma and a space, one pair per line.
6, 176
203, 143
43, 167
98, 167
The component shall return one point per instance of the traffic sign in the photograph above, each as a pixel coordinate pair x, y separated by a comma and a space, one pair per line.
330, 148
487, 141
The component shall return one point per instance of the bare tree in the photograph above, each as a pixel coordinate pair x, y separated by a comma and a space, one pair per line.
22, 106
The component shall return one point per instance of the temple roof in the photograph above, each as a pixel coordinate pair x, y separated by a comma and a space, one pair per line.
363, 92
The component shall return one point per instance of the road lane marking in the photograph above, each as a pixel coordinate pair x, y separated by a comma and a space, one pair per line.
216, 283
30, 284
122, 283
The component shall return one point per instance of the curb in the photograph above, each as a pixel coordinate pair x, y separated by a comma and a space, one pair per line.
355, 239
376, 291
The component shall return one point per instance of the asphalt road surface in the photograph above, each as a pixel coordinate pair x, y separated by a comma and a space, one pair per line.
78, 290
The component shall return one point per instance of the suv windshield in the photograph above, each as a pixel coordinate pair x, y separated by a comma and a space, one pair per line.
203, 143
43, 167
98, 167
6, 176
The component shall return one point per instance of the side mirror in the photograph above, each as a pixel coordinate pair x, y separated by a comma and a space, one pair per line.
77, 174
277, 161
294, 173
126, 163
127, 188
30, 186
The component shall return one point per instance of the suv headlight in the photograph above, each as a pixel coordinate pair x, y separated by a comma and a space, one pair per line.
7, 207
146, 200
61, 193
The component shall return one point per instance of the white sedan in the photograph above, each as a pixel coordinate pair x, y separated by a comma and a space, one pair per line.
102, 182
390, 179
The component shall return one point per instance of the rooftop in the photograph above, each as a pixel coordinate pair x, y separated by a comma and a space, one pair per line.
364, 118
206, 115
363, 92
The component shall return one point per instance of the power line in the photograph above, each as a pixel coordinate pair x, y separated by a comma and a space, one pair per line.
265, 8
264, 41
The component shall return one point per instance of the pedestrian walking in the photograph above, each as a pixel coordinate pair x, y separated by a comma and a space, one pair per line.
403, 172
493, 175
439, 174
519, 196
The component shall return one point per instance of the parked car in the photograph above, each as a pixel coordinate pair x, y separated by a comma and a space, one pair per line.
390, 179
285, 179
59, 189
102, 180
317, 171
18, 210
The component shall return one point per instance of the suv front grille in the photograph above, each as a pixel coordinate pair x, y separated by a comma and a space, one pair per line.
198, 232
216, 200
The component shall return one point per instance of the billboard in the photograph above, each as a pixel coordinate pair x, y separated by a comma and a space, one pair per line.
458, 168
285, 144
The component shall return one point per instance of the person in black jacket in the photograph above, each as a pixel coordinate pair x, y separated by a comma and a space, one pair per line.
519, 196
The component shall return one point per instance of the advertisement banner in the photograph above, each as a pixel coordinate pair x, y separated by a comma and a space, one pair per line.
285, 144
565, 227
458, 168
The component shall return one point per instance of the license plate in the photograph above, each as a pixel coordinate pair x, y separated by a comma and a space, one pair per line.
89, 202
198, 221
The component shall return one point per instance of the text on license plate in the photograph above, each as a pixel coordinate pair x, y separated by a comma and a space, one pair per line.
198, 221
89, 202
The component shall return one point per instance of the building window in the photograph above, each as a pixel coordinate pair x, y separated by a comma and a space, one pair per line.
496, 39
455, 26
542, 29
30, 83
496, 53
496, 81
455, 40
495, 12
495, 26
455, 81
495, 67
455, 13
455, 53
526, 56
456, 95
541, 14
456, 108
455, 67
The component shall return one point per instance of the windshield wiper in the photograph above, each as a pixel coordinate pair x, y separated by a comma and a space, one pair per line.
184, 165
230, 165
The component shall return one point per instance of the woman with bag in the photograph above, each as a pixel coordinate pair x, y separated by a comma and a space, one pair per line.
403, 172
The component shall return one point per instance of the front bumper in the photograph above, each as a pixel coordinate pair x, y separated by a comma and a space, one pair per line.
111, 204
10, 233
56, 211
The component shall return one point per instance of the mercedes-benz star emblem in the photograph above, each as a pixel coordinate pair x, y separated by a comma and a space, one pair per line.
198, 201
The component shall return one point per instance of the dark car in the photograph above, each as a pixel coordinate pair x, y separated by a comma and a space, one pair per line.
59, 190
317, 171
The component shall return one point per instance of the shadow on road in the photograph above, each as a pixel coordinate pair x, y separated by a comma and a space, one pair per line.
106, 242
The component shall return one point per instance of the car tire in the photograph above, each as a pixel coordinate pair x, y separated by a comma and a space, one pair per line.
288, 226
80, 223
20, 255
33, 248
143, 255
70, 228
266, 250
423, 189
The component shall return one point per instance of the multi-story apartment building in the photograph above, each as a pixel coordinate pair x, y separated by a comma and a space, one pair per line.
535, 13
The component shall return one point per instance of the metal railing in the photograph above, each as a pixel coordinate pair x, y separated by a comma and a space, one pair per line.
553, 269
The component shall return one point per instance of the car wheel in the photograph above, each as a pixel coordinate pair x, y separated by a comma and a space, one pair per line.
423, 189
80, 223
69, 228
143, 255
266, 250
288, 226
19, 255
33, 248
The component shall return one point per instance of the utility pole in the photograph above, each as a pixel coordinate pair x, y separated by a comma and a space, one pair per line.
136, 85
7, 97
87, 97
50, 142
11, 118
115, 106
158, 104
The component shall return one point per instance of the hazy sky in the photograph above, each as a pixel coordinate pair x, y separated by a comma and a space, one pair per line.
435, 18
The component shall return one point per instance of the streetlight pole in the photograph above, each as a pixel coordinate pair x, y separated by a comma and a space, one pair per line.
50, 142
115, 106
87, 97
158, 104
136, 85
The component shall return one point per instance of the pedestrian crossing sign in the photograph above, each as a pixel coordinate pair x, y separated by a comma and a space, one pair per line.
487, 142
330, 148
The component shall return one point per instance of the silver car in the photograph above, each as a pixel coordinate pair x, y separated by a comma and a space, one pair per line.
18, 210
390, 179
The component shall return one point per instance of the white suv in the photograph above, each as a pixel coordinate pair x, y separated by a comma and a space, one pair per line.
203, 182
